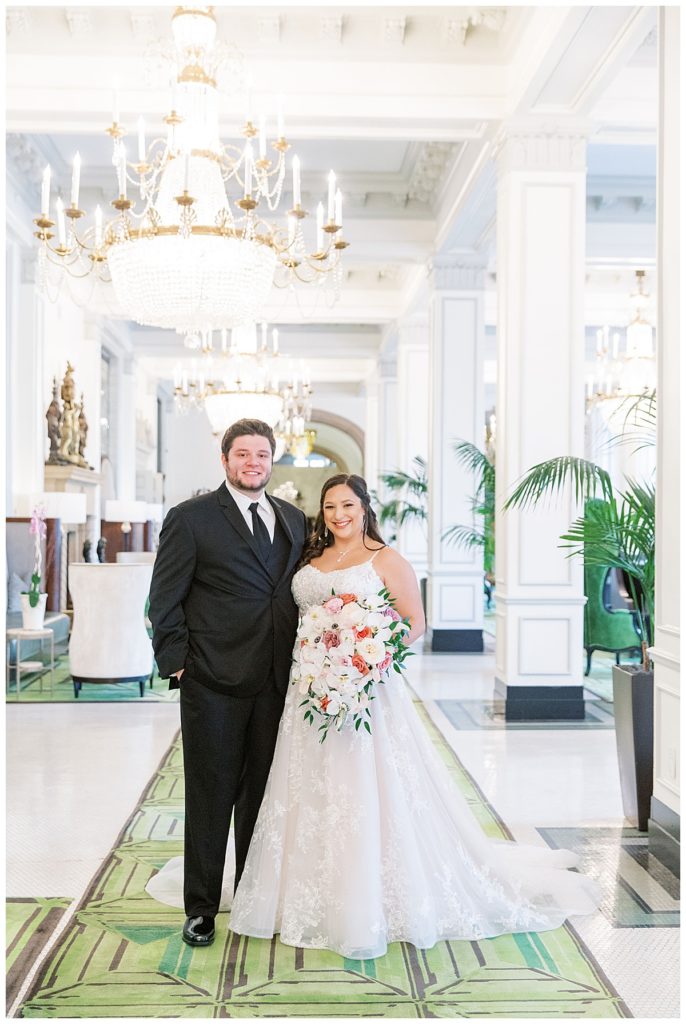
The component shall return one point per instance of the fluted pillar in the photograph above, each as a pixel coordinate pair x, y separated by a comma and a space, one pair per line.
541, 211
664, 823
455, 579
413, 423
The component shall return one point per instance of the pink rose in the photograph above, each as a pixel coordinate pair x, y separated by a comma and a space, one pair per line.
331, 638
333, 605
383, 665
391, 613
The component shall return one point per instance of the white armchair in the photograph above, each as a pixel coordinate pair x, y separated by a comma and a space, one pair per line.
109, 642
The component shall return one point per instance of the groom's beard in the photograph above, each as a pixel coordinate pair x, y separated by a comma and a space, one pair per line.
252, 484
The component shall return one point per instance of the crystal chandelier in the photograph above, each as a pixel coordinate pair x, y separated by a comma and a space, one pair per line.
185, 254
241, 380
297, 412
631, 373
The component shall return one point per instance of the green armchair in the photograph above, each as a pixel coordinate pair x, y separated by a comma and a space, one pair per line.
606, 628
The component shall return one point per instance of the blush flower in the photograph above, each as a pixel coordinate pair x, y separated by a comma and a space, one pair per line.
333, 605
331, 638
360, 664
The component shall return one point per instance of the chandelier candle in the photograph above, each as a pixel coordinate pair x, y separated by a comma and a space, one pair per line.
75, 181
45, 194
296, 182
141, 140
61, 225
332, 197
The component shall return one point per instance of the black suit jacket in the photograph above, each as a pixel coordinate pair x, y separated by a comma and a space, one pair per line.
215, 609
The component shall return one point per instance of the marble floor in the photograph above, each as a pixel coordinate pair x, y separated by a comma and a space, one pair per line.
74, 773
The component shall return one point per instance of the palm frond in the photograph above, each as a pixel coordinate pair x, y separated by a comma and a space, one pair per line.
547, 479
467, 536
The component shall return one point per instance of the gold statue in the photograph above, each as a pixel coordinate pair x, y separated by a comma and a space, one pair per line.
53, 416
67, 426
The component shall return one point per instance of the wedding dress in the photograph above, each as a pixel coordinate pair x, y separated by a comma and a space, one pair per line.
365, 840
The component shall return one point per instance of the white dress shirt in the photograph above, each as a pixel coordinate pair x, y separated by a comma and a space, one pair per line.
264, 509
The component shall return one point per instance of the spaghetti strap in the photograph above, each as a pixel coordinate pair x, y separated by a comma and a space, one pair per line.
370, 560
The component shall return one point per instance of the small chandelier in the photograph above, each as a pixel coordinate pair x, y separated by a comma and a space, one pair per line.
243, 380
184, 254
631, 373
297, 412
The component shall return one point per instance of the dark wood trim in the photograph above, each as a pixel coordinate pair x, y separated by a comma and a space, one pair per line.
53, 563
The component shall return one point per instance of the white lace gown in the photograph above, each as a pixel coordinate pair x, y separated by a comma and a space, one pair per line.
365, 840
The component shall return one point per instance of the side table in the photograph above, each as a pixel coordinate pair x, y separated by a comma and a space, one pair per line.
31, 666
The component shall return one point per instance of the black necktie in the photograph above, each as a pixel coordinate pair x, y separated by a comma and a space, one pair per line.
260, 533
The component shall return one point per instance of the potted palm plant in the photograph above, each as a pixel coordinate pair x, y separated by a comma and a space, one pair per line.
409, 497
482, 464
617, 530
408, 503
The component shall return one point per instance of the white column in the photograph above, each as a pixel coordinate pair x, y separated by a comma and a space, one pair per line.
126, 429
28, 434
371, 430
413, 424
388, 421
665, 806
455, 583
540, 407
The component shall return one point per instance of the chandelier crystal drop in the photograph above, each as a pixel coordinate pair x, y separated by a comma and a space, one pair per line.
198, 249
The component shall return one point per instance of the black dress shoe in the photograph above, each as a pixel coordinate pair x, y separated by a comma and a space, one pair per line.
198, 931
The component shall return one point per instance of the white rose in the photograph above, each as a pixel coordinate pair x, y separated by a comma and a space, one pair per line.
351, 615
371, 649
373, 601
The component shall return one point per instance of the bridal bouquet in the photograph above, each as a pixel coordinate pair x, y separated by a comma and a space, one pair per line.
345, 646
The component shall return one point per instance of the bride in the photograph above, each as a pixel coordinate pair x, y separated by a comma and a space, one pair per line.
364, 839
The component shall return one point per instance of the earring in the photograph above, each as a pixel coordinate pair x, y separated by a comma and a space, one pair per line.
326, 533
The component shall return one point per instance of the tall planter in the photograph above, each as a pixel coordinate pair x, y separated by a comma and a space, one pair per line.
632, 689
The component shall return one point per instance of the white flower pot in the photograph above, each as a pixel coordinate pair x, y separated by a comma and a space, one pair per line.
32, 618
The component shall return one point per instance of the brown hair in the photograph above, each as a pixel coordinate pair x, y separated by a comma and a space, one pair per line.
242, 427
320, 538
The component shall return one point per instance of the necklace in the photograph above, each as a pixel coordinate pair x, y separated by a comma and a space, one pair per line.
346, 552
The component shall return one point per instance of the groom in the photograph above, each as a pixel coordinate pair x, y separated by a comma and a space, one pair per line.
224, 624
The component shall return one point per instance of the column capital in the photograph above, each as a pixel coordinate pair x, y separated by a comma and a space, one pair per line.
540, 144
456, 274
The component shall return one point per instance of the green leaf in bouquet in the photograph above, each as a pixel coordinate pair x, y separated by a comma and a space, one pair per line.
366, 725
357, 724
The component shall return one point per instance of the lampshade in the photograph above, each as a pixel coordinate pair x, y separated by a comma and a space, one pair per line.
70, 508
225, 407
126, 511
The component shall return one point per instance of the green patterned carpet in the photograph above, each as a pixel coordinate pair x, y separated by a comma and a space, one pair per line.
63, 689
122, 955
29, 923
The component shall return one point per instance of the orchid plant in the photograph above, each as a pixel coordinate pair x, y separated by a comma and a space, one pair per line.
39, 530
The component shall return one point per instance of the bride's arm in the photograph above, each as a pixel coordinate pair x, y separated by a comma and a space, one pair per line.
400, 579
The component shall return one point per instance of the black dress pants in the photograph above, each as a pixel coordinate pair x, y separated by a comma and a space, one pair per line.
228, 745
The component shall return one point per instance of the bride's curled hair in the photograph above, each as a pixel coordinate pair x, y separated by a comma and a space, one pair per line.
321, 538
